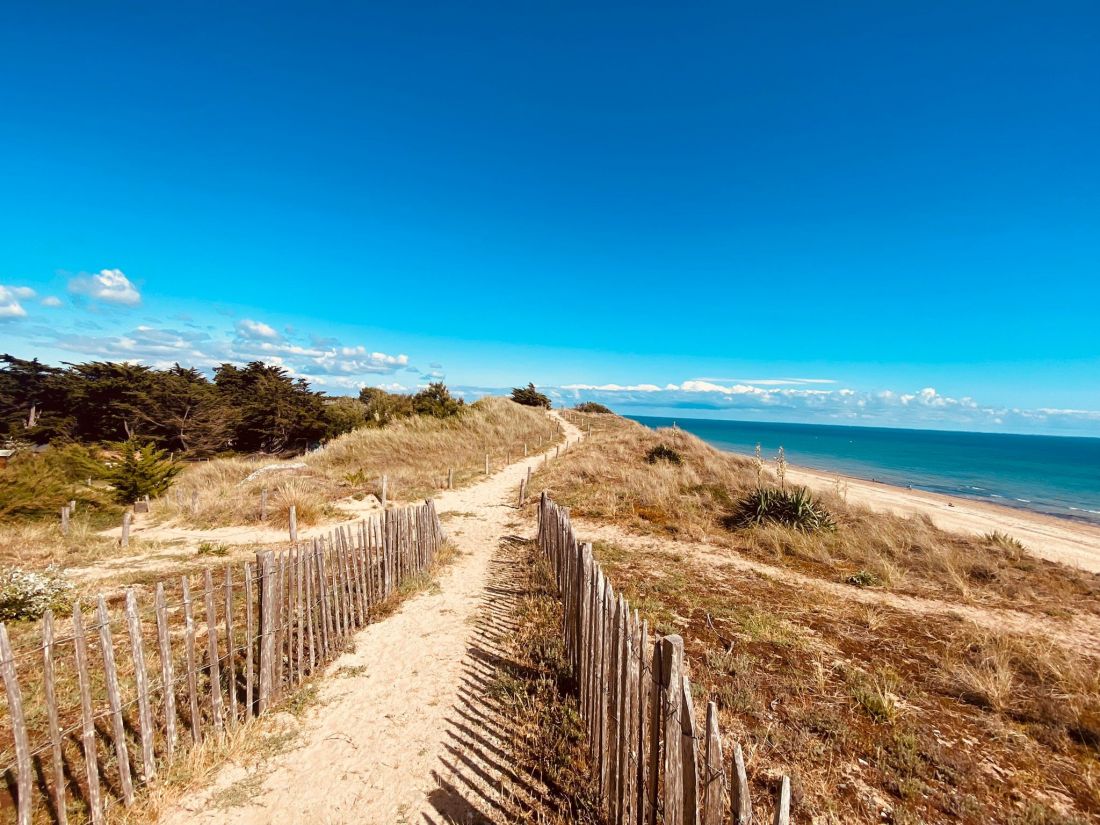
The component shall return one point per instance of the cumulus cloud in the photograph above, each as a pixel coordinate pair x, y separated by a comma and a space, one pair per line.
108, 285
10, 297
256, 330
51, 301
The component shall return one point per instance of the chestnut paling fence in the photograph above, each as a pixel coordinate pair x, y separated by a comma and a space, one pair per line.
99, 701
651, 761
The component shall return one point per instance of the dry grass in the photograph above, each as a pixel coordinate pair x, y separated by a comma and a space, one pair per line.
608, 478
878, 714
415, 454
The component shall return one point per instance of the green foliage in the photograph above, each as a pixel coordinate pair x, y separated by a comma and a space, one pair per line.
140, 470
26, 595
664, 453
1004, 541
593, 407
344, 415
275, 413
209, 548
530, 397
795, 508
384, 407
38, 485
436, 401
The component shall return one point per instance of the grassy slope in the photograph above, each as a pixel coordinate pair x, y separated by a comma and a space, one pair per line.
868, 708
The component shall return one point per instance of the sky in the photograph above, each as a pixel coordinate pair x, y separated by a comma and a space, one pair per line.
857, 212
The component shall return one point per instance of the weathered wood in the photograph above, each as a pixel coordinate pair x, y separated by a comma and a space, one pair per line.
57, 759
167, 675
293, 523
783, 807
672, 671
124, 539
87, 729
265, 566
230, 648
114, 701
189, 650
299, 616
522, 492
249, 639
217, 709
279, 612
141, 684
309, 574
739, 789
385, 484
451, 478
65, 520
645, 692
18, 729
714, 771
689, 754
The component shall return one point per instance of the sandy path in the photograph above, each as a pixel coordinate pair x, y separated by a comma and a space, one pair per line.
1080, 632
1060, 540
399, 733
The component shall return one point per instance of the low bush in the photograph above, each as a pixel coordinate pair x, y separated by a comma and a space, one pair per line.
795, 508
26, 595
664, 453
530, 397
593, 407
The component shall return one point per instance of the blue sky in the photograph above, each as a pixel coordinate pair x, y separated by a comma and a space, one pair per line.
710, 200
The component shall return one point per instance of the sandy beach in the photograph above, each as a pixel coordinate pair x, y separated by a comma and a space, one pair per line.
1060, 540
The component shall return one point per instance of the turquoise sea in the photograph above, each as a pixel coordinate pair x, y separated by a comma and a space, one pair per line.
1056, 475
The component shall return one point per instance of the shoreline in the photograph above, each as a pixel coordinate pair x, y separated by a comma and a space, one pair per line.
1064, 540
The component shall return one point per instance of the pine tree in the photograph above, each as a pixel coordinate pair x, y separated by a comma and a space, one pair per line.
141, 470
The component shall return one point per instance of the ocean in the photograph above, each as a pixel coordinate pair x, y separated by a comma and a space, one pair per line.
1056, 475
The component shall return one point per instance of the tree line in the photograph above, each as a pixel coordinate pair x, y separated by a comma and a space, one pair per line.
257, 408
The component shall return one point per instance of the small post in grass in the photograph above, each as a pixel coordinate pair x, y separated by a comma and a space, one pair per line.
124, 541
65, 520
486, 464
451, 479
293, 524
385, 482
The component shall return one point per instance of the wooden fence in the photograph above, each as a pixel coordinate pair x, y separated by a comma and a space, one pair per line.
653, 761
99, 702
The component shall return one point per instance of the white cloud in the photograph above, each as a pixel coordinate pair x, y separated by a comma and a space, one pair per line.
109, 285
9, 301
256, 330
51, 301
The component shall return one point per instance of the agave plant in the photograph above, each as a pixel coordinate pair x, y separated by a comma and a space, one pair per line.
795, 508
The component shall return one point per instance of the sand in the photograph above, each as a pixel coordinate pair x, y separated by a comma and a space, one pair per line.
1061, 540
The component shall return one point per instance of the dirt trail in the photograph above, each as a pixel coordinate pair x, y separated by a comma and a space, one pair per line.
400, 732
1081, 632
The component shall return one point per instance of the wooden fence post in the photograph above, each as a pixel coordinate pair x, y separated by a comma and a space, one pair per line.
739, 790
783, 807
522, 492
689, 755
265, 567
124, 540
114, 700
18, 726
87, 735
51, 712
385, 483
672, 672
65, 520
293, 523
141, 683
714, 771
451, 479
167, 676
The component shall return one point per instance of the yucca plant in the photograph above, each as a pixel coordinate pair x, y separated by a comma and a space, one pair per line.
795, 508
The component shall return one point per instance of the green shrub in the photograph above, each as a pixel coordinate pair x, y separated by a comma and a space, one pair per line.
530, 397
795, 508
663, 453
31, 488
384, 407
208, 548
344, 415
141, 470
593, 407
436, 401
26, 595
